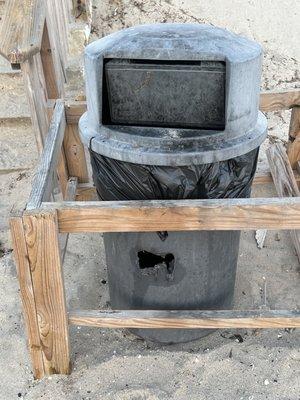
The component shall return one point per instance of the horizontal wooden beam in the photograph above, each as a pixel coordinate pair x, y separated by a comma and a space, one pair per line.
279, 100
22, 29
74, 110
177, 215
86, 192
269, 101
186, 319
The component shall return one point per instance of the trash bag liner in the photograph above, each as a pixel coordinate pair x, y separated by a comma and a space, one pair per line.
119, 180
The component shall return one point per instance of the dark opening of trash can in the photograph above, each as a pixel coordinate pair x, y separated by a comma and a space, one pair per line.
150, 260
153, 93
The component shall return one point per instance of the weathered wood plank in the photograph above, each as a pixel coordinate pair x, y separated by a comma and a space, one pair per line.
44, 257
22, 29
279, 100
177, 215
269, 101
27, 296
186, 319
42, 184
281, 171
62, 173
74, 110
284, 181
86, 192
71, 189
69, 196
294, 137
75, 155
35, 85
62, 169
53, 90
58, 19
58, 39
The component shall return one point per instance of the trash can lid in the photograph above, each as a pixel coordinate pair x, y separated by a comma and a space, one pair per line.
173, 94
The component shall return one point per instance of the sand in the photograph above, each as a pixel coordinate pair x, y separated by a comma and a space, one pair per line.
112, 364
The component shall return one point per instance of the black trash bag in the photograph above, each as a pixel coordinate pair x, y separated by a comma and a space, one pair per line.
119, 180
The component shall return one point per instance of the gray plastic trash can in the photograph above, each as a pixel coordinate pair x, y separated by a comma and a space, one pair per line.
172, 114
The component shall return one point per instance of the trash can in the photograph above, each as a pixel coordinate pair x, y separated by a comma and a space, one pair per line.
172, 113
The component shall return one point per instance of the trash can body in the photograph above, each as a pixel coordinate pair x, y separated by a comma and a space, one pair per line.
172, 113
200, 280
172, 270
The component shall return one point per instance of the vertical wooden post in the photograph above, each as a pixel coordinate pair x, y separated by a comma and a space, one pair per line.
62, 168
62, 173
294, 137
53, 90
27, 296
58, 16
75, 155
35, 85
41, 235
53, 54
45, 77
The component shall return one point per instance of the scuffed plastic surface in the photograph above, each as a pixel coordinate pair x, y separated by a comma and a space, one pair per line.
118, 180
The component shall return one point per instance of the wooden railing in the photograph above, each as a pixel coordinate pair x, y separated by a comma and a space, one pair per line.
40, 261
34, 39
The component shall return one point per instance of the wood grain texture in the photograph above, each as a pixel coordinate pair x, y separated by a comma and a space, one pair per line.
58, 19
70, 195
263, 177
71, 189
27, 296
86, 192
53, 89
62, 169
35, 86
177, 215
42, 183
75, 154
45, 263
284, 181
58, 38
281, 171
269, 101
186, 319
281, 100
22, 29
62, 173
294, 137
74, 110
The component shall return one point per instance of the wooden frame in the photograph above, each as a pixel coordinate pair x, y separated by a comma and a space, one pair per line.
39, 235
34, 40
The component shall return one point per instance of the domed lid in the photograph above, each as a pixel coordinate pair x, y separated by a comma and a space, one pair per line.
173, 94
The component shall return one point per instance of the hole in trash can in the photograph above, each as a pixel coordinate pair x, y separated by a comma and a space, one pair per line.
151, 260
170, 262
